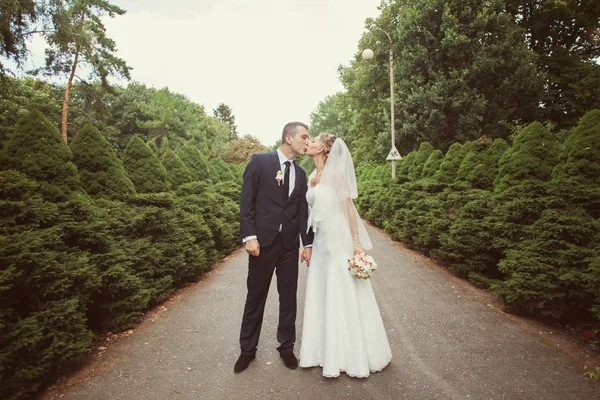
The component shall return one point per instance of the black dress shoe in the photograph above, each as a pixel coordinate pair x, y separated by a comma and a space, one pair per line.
290, 360
243, 362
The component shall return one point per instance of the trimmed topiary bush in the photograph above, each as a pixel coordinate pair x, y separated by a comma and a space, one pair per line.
37, 150
432, 164
101, 173
451, 163
195, 161
144, 168
177, 173
416, 169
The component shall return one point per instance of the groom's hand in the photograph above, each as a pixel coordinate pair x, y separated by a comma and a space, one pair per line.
306, 255
253, 247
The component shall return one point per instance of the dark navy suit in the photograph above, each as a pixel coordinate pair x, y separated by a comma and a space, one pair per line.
263, 212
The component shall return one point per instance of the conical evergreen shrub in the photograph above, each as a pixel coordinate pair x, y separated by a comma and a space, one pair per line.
451, 163
532, 157
403, 167
483, 174
37, 150
473, 157
100, 171
521, 186
577, 178
549, 272
195, 161
467, 244
177, 173
144, 168
219, 170
220, 213
416, 169
432, 164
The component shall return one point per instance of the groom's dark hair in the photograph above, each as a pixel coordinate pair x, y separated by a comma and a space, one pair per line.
290, 129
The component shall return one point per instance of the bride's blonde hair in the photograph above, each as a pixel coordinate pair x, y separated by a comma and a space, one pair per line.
327, 139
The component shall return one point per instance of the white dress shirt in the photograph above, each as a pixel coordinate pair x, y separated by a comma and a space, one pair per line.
282, 160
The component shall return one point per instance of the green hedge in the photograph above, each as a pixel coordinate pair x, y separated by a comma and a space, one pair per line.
82, 253
522, 220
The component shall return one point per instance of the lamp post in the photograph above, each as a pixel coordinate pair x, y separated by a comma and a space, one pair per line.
367, 54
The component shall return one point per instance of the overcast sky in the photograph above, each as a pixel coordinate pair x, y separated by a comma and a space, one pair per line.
272, 61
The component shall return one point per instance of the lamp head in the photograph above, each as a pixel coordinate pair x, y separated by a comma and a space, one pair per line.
367, 54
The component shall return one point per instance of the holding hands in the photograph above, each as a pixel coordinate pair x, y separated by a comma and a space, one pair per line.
305, 256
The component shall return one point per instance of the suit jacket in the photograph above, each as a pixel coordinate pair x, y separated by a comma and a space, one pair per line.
263, 208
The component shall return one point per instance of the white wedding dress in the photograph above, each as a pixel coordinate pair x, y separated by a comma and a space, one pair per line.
342, 329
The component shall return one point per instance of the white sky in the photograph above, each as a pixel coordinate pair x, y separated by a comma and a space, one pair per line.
271, 61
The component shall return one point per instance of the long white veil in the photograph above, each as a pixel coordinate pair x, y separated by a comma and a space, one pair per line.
339, 175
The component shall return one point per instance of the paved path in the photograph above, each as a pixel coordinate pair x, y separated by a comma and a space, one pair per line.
448, 342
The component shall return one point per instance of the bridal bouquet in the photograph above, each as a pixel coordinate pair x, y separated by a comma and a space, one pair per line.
362, 266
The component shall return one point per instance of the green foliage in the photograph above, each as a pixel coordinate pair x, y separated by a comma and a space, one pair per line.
70, 265
483, 173
217, 135
17, 18
520, 220
403, 167
531, 158
75, 34
144, 168
550, 270
220, 212
43, 287
240, 150
461, 68
577, 178
37, 150
451, 163
195, 162
20, 96
332, 115
546, 272
177, 173
224, 113
48, 341
416, 169
563, 35
467, 244
220, 172
432, 164
169, 244
100, 171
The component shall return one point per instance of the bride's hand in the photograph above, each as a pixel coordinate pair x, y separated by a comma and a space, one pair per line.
306, 255
360, 252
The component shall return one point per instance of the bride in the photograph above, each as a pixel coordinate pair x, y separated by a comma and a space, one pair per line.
342, 328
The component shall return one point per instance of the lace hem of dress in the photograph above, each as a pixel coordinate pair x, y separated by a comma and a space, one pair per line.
320, 364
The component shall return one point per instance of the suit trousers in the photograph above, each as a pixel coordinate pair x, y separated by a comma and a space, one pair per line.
260, 271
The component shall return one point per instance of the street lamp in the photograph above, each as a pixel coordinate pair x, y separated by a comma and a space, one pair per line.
367, 54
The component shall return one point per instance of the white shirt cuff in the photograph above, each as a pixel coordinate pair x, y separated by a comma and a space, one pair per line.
244, 240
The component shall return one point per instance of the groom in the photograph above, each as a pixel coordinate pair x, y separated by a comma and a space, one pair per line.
273, 213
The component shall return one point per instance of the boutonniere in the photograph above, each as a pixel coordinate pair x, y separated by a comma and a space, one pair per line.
278, 177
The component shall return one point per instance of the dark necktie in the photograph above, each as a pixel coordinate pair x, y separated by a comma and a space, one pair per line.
286, 181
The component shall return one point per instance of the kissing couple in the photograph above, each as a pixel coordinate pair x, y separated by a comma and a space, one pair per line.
342, 328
